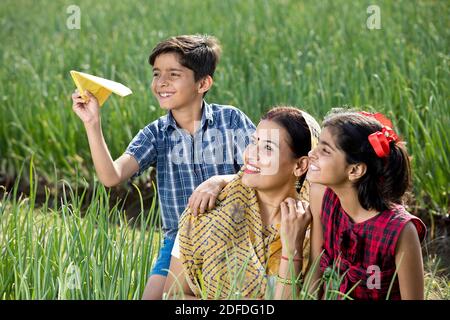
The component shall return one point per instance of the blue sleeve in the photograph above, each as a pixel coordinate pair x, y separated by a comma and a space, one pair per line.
243, 130
143, 148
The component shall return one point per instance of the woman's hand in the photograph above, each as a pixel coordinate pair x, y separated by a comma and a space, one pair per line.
205, 195
295, 218
88, 111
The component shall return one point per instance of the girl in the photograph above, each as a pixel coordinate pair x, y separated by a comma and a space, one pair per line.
256, 233
359, 222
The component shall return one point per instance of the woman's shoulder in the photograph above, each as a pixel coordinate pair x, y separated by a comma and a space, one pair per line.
233, 193
234, 187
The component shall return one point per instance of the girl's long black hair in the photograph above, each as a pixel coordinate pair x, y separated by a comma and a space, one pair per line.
387, 180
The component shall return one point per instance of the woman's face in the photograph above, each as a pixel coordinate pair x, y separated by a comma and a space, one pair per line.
269, 161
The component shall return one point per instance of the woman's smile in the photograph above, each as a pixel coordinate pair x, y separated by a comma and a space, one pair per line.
250, 169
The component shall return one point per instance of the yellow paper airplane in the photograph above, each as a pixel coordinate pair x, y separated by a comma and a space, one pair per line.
99, 87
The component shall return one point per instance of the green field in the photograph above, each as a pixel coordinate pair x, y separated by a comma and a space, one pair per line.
310, 54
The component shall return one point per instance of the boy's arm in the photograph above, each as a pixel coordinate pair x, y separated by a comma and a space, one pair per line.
109, 172
204, 196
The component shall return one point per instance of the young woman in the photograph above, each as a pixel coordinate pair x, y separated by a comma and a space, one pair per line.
254, 239
360, 172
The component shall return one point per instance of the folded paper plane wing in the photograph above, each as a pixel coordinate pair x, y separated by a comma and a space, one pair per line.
99, 87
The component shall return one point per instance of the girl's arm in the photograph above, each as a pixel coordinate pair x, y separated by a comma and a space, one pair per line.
316, 193
408, 259
176, 285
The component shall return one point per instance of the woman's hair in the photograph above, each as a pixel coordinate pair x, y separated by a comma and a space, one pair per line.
291, 119
387, 179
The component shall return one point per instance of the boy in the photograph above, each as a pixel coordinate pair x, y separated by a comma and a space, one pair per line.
192, 143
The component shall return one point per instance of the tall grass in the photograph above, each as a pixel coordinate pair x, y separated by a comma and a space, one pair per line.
437, 286
66, 253
312, 54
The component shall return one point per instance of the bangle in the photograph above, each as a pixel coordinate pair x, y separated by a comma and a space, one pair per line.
293, 259
288, 281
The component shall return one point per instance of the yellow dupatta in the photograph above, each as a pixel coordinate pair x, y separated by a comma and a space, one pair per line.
228, 250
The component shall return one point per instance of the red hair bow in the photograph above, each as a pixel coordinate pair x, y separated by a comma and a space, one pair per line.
380, 140
380, 117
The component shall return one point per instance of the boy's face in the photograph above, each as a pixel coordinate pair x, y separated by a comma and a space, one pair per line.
173, 84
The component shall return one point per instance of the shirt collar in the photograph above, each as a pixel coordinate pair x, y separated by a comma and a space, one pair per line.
207, 114
207, 117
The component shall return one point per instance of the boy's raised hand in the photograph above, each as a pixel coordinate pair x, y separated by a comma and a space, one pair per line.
88, 112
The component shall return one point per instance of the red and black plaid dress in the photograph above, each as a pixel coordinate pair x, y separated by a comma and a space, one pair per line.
355, 248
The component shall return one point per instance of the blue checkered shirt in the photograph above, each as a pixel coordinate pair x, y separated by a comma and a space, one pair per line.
184, 161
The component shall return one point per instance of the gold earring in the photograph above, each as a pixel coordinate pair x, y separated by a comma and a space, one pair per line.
298, 185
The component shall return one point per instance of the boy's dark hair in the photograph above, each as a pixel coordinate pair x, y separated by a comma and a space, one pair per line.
200, 53
292, 120
386, 180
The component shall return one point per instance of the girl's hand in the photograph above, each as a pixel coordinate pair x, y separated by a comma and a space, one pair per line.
88, 111
295, 218
205, 195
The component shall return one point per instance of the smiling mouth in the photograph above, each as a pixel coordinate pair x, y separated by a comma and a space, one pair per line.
249, 169
165, 94
313, 168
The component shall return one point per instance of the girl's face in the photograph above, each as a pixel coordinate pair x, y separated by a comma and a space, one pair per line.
269, 160
327, 164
